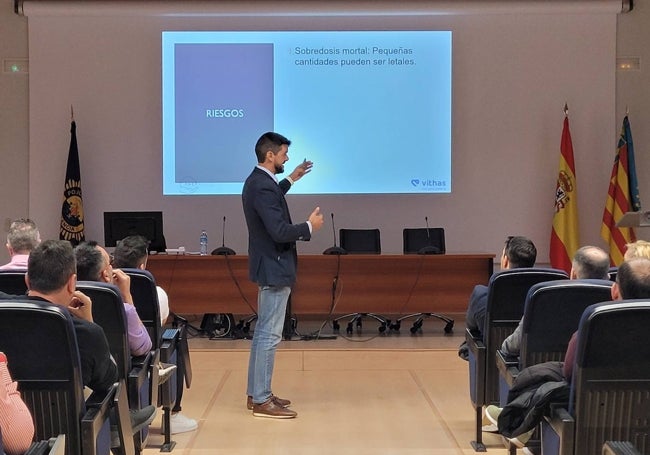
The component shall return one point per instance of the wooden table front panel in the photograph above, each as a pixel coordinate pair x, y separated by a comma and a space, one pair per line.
387, 284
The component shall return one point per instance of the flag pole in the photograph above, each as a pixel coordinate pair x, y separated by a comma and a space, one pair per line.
71, 113
566, 110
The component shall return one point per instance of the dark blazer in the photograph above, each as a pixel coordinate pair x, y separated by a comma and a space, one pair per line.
272, 237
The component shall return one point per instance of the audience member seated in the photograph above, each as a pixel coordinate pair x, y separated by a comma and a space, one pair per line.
16, 421
132, 252
51, 277
94, 264
638, 249
632, 282
589, 262
518, 252
22, 238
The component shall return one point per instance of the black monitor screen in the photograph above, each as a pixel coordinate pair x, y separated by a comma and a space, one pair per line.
360, 241
424, 241
118, 225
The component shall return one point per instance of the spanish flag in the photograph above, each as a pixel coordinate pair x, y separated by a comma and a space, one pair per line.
622, 197
564, 235
72, 212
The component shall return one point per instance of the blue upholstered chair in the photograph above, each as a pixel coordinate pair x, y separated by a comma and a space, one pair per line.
13, 282
108, 312
505, 306
551, 315
170, 344
610, 388
40, 339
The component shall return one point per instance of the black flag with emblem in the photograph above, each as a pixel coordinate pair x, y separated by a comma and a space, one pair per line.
72, 212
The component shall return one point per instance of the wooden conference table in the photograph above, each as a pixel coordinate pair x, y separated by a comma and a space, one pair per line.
386, 284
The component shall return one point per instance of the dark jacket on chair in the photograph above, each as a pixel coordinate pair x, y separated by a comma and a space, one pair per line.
534, 389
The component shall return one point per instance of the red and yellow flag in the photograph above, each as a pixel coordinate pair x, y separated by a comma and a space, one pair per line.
564, 235
622, 197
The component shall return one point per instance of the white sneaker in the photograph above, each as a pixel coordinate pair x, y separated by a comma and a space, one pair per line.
181, 424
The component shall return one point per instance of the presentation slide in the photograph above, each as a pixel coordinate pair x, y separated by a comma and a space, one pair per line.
371, 109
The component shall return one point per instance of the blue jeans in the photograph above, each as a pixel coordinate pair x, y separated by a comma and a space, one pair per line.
271, 308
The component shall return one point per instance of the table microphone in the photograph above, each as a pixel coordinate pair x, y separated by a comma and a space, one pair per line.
334, 249
428, 249
223, 250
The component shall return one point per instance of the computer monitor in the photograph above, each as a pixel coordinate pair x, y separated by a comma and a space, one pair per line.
360, 241
424, 241
118, 225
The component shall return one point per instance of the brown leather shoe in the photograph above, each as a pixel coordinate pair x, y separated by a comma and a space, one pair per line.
271, 410
279, 401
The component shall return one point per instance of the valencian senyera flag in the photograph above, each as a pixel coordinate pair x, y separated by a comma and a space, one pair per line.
564, 235
72, 213
622, 197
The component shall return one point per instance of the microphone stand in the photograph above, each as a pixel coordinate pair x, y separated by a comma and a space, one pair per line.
223, 250
334, 249
428, 249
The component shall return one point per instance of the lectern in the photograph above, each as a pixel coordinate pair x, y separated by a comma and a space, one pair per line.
635, 219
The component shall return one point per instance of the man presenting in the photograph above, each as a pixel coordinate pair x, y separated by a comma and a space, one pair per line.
272, 260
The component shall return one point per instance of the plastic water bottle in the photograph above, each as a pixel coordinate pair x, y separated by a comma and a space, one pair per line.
203, 241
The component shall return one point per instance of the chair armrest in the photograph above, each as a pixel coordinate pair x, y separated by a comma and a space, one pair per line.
474, 343
98, 407
508, 367
138, 375
57, 445
619, 448
477, 368
140, 369
154, 377
169, 343
563, 425
122, 415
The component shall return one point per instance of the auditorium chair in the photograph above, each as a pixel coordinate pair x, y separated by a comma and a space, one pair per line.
610, 387
52, 446
108, 312
552, 312
507, 291
612, 273
13, 282
40, 341
360, 241
170, 343
620, 448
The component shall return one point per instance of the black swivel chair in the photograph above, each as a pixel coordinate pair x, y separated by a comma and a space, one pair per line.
610, 387
423, 241
40, 340
108, 312
360, 241
505, 306
13, 282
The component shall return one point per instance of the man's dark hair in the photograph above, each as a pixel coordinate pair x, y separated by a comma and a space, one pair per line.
269, 141
520, 251
633, 278
591, 262
50, 266
89, 261
131, 252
